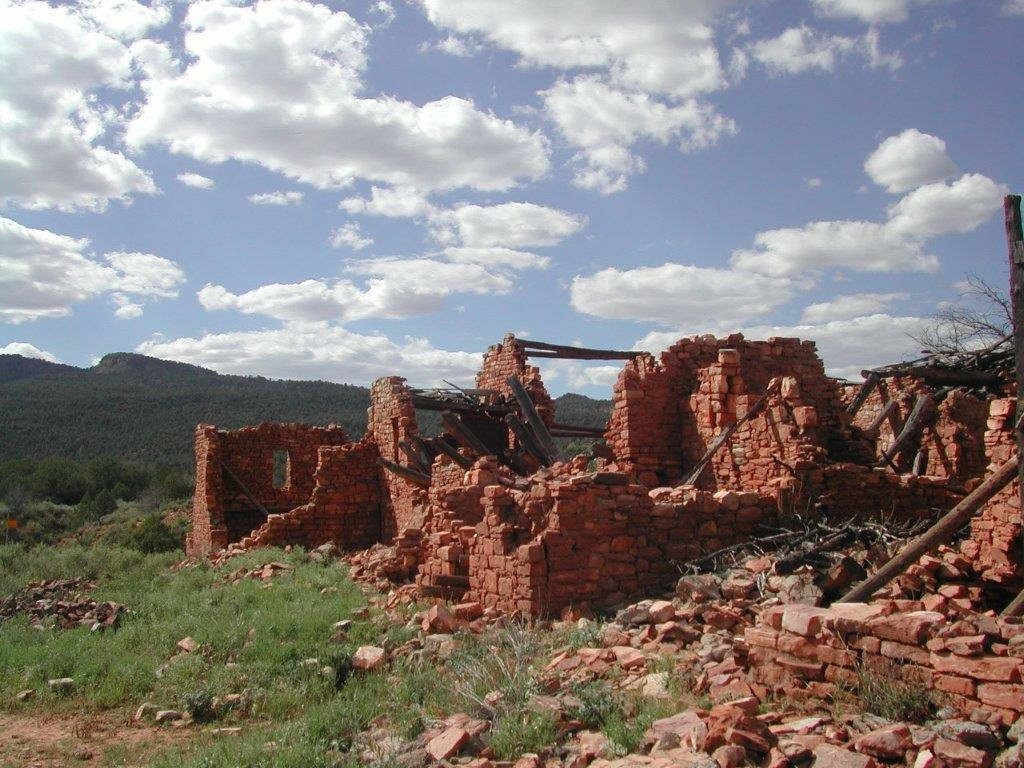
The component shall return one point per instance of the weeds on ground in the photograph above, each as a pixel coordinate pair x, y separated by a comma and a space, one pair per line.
886, 696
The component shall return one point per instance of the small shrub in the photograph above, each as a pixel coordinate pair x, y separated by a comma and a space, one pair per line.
887, 697
584, 634
341, 663
199, 704
523, 731
153, 535
599, 704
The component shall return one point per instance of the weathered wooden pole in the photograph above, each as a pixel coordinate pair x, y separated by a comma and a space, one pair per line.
940, 533
1015, 251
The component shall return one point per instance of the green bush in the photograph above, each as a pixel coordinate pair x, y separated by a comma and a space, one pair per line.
152, 535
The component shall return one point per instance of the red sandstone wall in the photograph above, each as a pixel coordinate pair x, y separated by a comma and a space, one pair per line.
994, 547
796, 649
344, 507
222, 513
390, 420
953, 440
509, 359
666, 413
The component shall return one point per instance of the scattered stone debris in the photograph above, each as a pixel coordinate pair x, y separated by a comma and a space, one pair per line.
739, 488
62, 603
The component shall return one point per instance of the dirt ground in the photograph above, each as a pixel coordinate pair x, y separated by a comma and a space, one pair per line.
55, 741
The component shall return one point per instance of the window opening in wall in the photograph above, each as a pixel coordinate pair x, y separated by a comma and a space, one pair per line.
282, 468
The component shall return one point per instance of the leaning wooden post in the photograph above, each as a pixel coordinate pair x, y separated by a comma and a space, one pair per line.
1015, 250
940, 533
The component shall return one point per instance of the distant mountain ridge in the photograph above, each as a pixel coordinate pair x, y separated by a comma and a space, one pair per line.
144, 408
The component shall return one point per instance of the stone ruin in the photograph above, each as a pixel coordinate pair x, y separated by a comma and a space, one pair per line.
706, 447
483, 512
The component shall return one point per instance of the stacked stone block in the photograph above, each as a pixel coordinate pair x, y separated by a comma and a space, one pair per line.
994, 545
222, 512
970, 661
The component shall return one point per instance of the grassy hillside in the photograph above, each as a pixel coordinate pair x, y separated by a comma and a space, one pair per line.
144, 409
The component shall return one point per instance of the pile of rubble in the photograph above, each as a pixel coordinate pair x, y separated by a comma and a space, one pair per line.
61, 603
770, 678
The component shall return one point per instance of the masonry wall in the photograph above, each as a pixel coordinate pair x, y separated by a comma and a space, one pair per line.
666, 413
344, 507
222, 513
953, 439
799, 649
390, 420
509, 359
994, 544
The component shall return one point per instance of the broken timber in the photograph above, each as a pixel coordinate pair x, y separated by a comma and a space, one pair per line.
863, 393
527, 440
536, 423
921, 410
419, 478
1015, 251
890, 406
725, 434
940, 533
543, 349
445, 445
458, 429
245, 490
415, 456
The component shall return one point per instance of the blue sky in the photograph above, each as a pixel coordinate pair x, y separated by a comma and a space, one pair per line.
347, 190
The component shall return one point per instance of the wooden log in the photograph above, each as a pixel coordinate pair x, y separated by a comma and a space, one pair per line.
1015, 251
594, 433
863, 393
1015, 607
414, 456
465, 436
409, 474
428, 403
526, 439
424, 447
237, 481
940, 533
583, 354
575, 353
921, 410
877, 423
540, 429
939, 376
920, 462
575, 428
724, 436
451, 450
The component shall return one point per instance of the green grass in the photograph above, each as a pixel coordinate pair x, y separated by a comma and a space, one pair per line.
253, 640
886, 696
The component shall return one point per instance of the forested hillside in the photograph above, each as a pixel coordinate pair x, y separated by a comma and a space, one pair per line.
141, 408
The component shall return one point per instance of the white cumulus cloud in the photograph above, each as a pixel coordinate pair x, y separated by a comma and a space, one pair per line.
908, 160
393, 202
196, 180
25, 349
350, 235
870, 11
513, 225
44, 274
603, 122
55, 143
945, 208
318, 350
279, 83
280, 198
848, 307
680, 295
